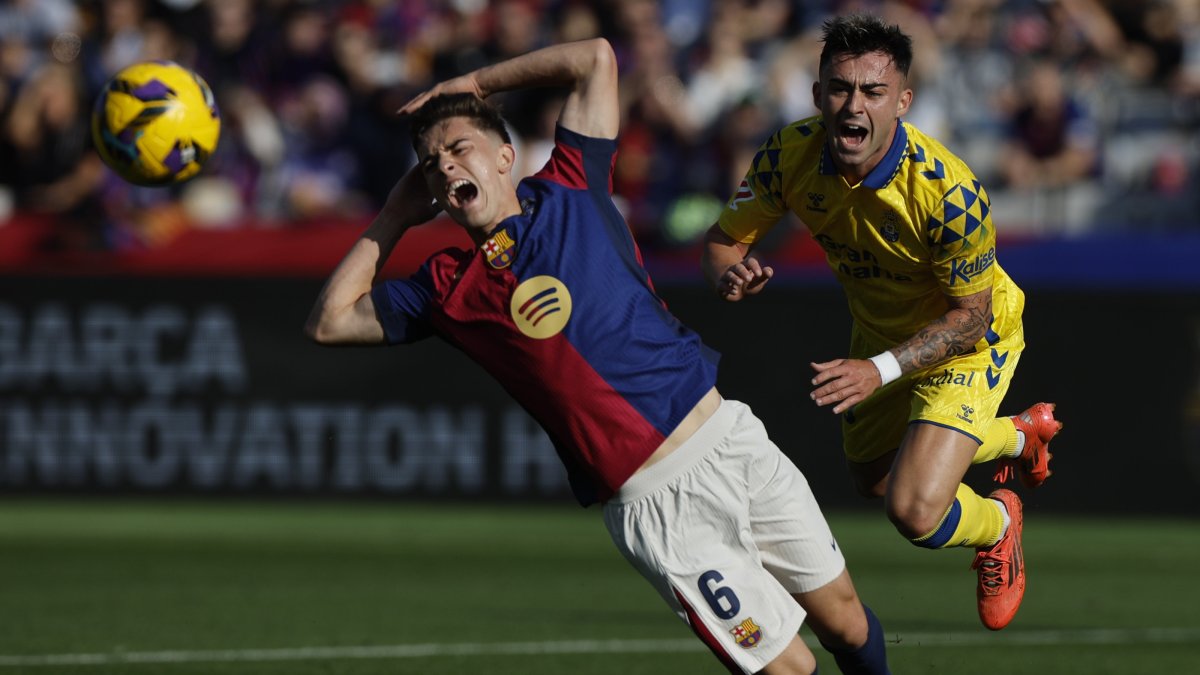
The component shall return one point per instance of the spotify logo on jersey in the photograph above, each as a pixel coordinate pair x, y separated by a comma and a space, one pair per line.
541, 307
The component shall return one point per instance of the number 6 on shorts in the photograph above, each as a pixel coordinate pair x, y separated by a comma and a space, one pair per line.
714, 595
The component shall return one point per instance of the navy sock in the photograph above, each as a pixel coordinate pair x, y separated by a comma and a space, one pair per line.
869, 659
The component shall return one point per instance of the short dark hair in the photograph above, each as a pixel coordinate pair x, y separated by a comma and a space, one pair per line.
858, 34
438, 108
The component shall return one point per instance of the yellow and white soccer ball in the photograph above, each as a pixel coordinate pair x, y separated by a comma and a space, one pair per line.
156, 123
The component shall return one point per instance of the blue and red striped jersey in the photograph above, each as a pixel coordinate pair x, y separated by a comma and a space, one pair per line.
557, 306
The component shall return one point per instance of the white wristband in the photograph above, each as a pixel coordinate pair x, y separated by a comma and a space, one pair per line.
887, 365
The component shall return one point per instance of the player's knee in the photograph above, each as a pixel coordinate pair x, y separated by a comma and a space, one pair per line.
914, 518
850, 631
836, 615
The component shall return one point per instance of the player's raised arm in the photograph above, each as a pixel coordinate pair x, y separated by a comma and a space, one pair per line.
344, 312
587, 67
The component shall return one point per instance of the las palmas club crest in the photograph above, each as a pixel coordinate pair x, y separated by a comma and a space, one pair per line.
499, 250
747, 633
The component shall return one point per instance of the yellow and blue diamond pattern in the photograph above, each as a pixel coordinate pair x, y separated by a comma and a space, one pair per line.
962, 222
766, 173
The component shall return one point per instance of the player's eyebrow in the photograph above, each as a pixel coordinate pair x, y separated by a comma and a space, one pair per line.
866, 86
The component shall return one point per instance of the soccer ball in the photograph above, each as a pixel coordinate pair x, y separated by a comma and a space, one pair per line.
156, 123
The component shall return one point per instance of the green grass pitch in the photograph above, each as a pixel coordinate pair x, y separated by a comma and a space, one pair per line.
174, 588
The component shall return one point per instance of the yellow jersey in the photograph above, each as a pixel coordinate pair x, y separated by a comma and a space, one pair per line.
916, 229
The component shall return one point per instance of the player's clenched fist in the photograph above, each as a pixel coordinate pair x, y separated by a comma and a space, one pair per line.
744, 278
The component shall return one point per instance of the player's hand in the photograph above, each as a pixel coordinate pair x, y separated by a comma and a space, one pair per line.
410, 200
844, 383
463, 84
742, 279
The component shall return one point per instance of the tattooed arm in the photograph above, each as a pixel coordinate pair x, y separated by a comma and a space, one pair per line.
846, 382
954, 333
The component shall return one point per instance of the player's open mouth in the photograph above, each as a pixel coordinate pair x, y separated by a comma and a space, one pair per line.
461, 192
852, 135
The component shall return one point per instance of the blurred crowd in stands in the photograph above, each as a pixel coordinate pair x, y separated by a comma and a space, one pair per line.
1078, 115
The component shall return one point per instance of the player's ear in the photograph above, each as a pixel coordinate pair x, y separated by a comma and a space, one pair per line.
817, 95
904, 103
508, 156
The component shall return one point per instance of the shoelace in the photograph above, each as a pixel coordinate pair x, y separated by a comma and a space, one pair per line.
991, 570
1005, 471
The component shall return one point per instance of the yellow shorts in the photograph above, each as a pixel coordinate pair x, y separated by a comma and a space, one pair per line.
962, 394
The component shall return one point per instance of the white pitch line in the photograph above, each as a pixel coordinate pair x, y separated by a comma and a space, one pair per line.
1088, 636
1107, 636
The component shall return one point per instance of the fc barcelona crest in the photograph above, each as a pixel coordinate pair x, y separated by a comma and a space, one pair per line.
747, 633
499, 250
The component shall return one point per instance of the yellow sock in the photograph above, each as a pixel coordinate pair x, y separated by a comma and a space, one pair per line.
971, 520
999, 441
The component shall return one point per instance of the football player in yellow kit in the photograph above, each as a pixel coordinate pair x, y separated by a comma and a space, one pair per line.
937, 332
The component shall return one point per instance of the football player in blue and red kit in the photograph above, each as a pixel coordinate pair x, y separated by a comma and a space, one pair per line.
554, 302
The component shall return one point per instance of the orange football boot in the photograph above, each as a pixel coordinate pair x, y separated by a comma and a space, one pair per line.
1001, 568
1033, 466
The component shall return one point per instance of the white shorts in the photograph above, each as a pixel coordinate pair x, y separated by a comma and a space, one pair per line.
726, 528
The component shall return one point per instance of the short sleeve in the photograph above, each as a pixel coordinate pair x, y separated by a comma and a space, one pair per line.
403, 307
962, 240
580, 162
757, 205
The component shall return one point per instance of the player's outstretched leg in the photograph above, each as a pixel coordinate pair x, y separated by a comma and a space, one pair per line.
1032, 466
1001, 568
